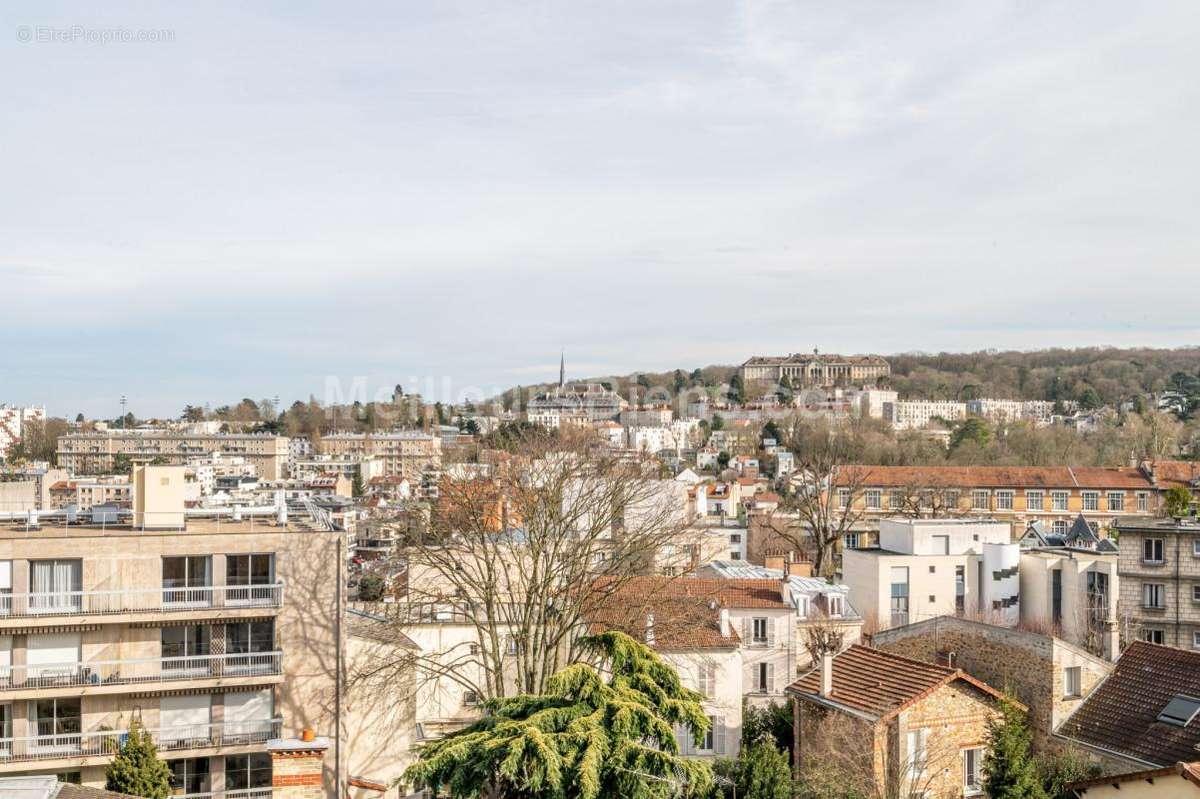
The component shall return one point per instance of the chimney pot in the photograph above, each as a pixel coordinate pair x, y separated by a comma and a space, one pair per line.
724, 617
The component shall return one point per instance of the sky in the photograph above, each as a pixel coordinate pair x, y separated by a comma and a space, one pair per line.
280, 199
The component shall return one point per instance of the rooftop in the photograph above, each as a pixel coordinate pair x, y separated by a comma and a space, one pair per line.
1122, 714
1002, 477
880, 684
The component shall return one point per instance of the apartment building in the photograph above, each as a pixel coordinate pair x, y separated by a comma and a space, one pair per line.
404, 453
96, 452
1160, 580
216, 633
917, 414
85, 494
815, 370
1054, 495
12, 425
647, 416
935, 567
1070, 584
1001, 411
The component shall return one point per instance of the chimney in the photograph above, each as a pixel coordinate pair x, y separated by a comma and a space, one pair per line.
297, 767
1112, 641
32, 523
827, 674
798, 569
785, 589
724, 616
650, 629
774, 562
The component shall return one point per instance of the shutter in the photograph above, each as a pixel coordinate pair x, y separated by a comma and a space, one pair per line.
683, 738
771, 631
184, 718
248, 712
719, 735
5, 655
5, 575
770, 678
747, 631
55, 651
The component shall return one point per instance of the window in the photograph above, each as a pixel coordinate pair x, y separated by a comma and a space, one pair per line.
1060, 527
5, 587
899, 596
1072, 681
1153, 636
252, 571
735, 538
939, 545
1196, 639
1143, 502
1059, 500
759, 632
706, 678
802, 606
897, 500
185, 648
510, 645
182, 719
764, 678
843, 497
187, 580
190, 775
470, 698
1152, 550
952, 496
735, 555
960, 590
874, 499
55, 585
851, 540
1091, 500
1152, 596
253, 643
52, 656
917, 754
979, 499
1180, 710
836, 605
1116, 501
1035, 500
243, 772
1196, 593
973, 771
1196, 548
55, 717
1004, 500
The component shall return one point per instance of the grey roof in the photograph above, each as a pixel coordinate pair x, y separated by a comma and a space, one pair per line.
48, 787
740, 570
1080, 536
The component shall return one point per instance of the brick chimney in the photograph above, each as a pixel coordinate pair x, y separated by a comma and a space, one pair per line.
776, 562
799, 569
297, 768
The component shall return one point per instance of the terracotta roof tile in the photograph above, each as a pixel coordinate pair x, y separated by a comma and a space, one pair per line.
1122, 713
1000, 477
881, 683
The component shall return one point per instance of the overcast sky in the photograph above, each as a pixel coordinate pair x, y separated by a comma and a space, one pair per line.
293, 191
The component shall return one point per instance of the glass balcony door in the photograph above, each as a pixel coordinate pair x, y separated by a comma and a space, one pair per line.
55, 586
187, 581
247, 578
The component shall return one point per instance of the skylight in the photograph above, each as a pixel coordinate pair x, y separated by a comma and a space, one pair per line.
1180, 710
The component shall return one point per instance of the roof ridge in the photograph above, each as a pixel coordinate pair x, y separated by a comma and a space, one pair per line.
893, 656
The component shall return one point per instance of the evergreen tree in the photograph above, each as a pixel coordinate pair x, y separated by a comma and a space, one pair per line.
760, 772
137, 769
356, 485
584, 738
1010, 771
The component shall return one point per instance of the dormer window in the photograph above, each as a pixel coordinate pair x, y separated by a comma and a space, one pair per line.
802, 607
836, 604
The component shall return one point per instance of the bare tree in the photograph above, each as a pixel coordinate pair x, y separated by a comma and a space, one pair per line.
823, 635
823, 493
521, 562
924, 499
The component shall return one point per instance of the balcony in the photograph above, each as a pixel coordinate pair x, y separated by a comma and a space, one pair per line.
43, 676
245, 793
104, 743
140, 600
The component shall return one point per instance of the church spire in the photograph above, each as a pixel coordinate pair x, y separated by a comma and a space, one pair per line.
562, 371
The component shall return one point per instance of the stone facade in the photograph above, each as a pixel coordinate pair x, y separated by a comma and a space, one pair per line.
1170, 613
1033, 667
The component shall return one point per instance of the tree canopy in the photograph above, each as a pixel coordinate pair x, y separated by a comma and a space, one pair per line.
583, 738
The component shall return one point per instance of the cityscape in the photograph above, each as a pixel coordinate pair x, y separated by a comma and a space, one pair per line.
527, 400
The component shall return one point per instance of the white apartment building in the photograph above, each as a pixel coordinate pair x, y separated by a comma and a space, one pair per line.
1000, 411
12, 425
175, 618
917, 414
96, 452
871, 401
935, 567
651, 439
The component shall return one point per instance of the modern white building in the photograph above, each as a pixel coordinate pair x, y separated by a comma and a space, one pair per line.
934, 567
917, 414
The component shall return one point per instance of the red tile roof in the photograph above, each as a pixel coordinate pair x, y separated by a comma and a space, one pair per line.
1188, 771
880, 683
999, 476
1122, 713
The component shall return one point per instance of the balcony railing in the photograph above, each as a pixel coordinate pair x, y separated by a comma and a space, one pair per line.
245, 793
146, 670
140, 600
57, 744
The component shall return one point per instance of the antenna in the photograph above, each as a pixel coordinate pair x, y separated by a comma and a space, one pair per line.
124, 402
